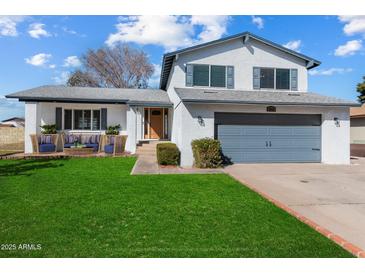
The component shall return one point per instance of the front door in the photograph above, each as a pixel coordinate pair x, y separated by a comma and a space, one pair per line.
156, 123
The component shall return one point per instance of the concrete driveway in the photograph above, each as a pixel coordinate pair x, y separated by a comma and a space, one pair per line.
333, 196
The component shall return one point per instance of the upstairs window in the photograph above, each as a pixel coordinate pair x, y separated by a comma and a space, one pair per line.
218, 76
282, 79
267, 78
275, 78
201, 75
209, 76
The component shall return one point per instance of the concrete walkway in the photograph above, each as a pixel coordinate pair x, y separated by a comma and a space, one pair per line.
332, 196
147, 163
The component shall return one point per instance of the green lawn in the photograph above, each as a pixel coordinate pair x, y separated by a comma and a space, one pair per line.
93, 208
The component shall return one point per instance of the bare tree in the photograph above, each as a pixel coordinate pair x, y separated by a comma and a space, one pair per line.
118, 67
82, 79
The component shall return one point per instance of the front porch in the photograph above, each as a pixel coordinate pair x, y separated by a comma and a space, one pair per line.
147, 123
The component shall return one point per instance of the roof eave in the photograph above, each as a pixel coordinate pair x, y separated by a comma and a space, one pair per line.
234, 102
68, 100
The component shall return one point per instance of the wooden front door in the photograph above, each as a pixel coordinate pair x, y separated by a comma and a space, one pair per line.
156, 123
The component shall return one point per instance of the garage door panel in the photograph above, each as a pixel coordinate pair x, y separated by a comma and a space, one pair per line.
236, 143
307, 131
270, 143
300, 143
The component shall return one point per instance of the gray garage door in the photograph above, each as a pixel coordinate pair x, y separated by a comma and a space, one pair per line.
270, 143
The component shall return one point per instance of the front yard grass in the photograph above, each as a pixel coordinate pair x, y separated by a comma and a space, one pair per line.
92, 207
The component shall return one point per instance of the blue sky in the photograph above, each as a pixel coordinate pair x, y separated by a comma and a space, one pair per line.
40, 50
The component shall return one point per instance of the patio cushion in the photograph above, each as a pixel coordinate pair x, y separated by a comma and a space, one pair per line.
70, 138
68, 145
95, 146
85, 139
109, 149
94, 139
47, 148
46, 139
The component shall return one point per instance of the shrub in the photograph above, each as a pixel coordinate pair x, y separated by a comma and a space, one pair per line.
112, 130
48, 129
168, 154
207, 153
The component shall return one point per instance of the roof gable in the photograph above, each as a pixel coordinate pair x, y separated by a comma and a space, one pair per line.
169, 58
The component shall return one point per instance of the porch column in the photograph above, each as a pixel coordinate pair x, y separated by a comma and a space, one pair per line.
131, 130
31, 124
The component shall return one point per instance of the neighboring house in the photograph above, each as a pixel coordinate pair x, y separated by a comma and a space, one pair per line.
357, 131
244, 90
13, 122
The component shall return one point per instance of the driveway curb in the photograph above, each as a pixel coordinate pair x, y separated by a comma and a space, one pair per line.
353, 249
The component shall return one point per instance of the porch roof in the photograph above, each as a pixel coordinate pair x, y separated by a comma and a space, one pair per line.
153, 97
210, 96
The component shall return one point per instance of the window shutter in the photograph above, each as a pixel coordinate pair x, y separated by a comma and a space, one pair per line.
294, 79
230, 77
189, 75
104, 118
256, 78
58, 118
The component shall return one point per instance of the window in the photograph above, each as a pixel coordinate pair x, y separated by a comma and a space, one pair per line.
218, 76
156, 112
67, 119
96, 120
209, 76
201, 75
275, 78
82, 119
282, 79
267, 78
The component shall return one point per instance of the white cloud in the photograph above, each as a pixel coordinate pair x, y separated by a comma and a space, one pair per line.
329, 72
258, 22
155, 78
293, 45
38, 60
213, 26
61, 78
69, 31
52, 66
170, 32
350, 48
72, 61
354, 24
8, 25
37, 30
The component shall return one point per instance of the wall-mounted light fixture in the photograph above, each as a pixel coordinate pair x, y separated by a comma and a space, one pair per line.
337, 122
201, 121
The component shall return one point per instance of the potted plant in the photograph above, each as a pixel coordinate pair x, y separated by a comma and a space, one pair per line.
112, 130
48, 129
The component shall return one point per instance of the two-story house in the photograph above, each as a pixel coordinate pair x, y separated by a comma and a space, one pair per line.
244, 90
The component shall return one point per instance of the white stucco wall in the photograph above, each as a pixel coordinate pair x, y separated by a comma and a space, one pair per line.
335, 140
32, 123
243, 58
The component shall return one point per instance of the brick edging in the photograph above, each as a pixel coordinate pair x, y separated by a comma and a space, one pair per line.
353, 249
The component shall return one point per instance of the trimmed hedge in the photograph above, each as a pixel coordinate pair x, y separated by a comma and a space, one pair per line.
168, 154
207, 153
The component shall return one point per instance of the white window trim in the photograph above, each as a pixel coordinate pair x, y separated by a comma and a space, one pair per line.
275, 68
209, 73
73, 123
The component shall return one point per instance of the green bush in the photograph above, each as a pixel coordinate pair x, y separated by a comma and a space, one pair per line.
112, 130
168, 154
207, 153
48, 129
